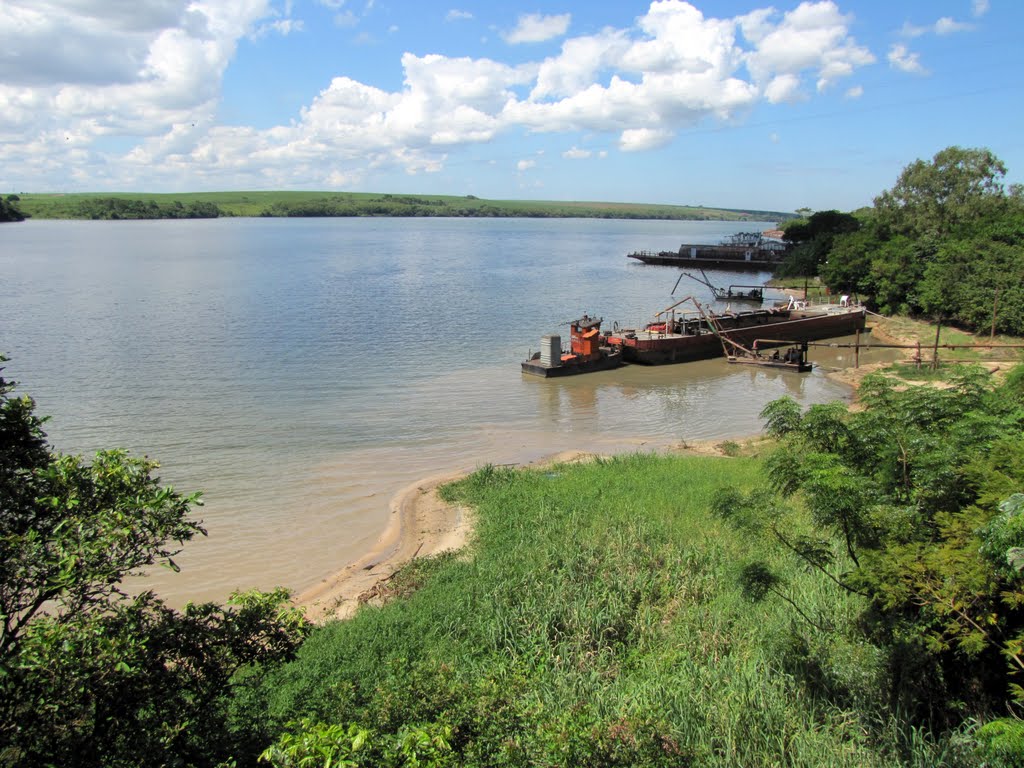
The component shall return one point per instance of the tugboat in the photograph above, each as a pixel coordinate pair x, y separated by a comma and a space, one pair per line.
588, 352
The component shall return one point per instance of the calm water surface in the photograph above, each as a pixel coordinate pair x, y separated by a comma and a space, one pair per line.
301, 372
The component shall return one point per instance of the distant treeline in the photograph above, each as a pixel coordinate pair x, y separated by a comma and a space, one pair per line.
410, 205
348, 204
946, 243
124, 208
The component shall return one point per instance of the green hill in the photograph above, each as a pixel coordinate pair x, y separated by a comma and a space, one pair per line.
106, 205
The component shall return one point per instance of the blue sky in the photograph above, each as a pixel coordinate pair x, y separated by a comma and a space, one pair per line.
736, 104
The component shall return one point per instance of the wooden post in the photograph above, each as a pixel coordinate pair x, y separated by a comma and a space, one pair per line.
995, 304
935, 355
917, 356
856, 350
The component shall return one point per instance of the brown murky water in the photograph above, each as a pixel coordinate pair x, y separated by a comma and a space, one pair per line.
301, 373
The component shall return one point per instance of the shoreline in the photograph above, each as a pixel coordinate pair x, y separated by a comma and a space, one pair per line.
420, 524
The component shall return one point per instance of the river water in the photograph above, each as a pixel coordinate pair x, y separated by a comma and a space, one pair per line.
301, 372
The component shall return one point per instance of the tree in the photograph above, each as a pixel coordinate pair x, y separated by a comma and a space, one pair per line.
915, 503
812, 241
946, 241
9, 210
944, 195
90, 674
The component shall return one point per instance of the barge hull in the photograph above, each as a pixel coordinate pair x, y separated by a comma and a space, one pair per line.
612, 359
665, 349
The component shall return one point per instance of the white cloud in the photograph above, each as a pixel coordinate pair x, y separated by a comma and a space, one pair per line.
979, 8
281, 26
151, 78
811, 38
639, 139
912, 30
456, 15
535, 28
854, 93
902, 59
581, 60
576, 154
944, 26
783, 88
948, 26
525, 165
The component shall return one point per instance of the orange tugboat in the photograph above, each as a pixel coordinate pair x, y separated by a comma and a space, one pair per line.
588, 351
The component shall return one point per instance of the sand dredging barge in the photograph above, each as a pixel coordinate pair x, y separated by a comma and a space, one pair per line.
679, 336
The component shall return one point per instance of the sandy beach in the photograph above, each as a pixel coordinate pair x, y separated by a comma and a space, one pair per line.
421, 524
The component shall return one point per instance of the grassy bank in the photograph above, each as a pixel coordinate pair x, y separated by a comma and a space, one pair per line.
597, 619
281, 203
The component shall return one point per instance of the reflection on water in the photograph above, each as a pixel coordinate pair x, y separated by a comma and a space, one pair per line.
301, 373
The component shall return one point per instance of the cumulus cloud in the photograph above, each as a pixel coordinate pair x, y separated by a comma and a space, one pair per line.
150, 77
535, 28
979, 8
639, 139
456, 15
525, 165
854, 93
813, 38
783, 88
902, 59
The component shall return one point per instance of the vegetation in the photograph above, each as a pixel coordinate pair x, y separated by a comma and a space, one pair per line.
853, 598
916, 505
946, 242
204, 204
9, 210
93, 676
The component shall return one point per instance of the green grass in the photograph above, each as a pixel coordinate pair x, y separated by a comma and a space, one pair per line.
285, 203
912, 331
596, 619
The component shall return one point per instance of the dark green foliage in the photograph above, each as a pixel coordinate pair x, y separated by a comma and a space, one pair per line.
946, 241
126, 208
93, 676
920, 491
812, 241
9, 210
1001, 743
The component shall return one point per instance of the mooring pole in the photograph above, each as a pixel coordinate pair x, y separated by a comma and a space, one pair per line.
935, 356
995, 304
856, 350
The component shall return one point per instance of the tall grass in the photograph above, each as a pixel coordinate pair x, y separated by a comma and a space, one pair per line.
596, 619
